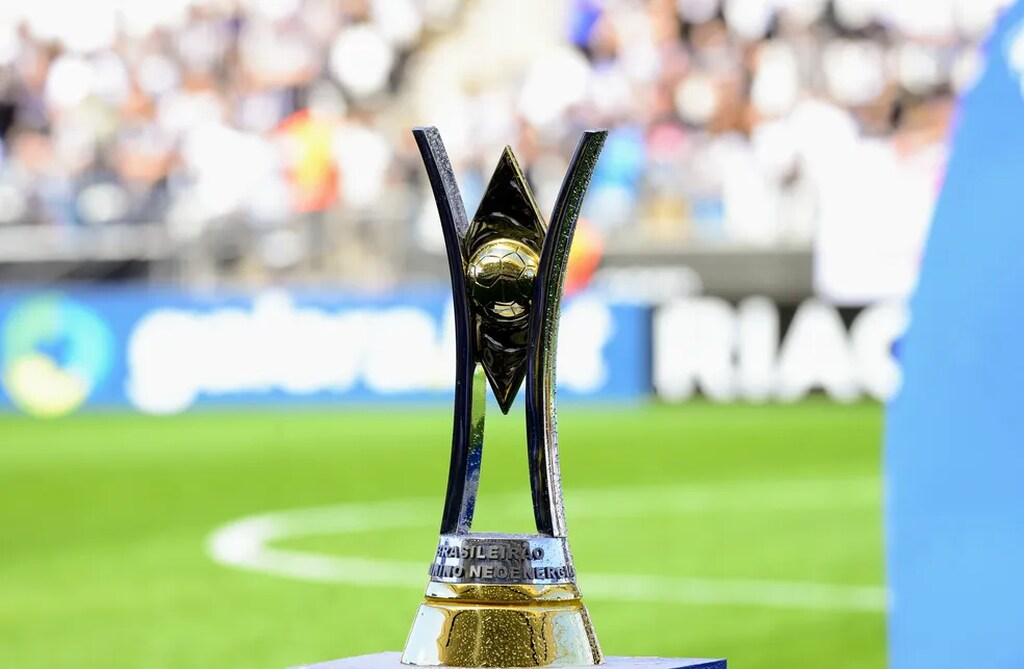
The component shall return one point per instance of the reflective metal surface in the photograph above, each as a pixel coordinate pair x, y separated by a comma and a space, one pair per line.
501, 275
454, 633
541, 422
503, 600
464, 465
502, 247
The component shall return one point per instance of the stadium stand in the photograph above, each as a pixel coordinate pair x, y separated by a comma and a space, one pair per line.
250, 141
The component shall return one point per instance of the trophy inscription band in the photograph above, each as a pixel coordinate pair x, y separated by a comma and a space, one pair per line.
505, 559
504, 600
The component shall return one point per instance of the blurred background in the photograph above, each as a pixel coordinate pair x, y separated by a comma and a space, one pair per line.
214, 206
247, 142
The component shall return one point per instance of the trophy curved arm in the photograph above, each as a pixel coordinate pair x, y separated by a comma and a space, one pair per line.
541, 422
470, 400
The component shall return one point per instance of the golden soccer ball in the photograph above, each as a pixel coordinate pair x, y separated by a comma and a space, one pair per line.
501, 273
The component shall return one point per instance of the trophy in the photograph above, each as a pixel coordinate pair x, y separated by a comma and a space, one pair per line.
505, 600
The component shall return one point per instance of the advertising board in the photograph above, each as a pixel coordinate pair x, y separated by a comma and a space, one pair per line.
166, 351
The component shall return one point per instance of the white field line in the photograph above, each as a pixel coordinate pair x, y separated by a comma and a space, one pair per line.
246, 543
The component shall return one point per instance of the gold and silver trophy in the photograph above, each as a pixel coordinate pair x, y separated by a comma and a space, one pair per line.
505, 600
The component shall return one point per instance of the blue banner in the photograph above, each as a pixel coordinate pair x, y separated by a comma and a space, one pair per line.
167, 351
955, 431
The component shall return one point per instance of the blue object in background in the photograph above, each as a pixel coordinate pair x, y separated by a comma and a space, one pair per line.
623, 159
584, 15
166, 351
955, 434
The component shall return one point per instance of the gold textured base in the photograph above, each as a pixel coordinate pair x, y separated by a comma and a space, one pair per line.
502, 626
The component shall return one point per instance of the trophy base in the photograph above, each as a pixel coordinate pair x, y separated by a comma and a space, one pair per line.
536, 629
394, 661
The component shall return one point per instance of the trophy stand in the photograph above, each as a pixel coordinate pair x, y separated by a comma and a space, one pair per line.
505, 600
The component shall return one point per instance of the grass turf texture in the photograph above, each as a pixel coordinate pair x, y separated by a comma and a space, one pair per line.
103, 521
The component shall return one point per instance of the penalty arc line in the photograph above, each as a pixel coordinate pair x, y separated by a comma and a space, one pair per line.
247, 543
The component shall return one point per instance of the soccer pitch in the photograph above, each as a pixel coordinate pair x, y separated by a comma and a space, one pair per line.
759, 528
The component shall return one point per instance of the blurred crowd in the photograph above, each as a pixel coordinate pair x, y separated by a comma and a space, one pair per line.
200, 114
733, 121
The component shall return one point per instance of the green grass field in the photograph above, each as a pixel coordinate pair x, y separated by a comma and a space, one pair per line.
756, 532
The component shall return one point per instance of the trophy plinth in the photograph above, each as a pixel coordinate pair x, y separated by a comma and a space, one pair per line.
505, 600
